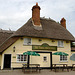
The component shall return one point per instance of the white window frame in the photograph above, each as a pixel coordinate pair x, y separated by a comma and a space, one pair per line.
20, 58
63, 59
46, 59
60, 43
25, 43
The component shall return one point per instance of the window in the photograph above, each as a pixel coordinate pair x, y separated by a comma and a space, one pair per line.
44, 58
27, 41
63, 58
21, 58
60, 43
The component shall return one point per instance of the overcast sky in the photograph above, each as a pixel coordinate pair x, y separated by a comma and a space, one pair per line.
15, 13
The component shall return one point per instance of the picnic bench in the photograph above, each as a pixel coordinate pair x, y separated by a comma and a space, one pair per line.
60, 66
31, 67
73, 66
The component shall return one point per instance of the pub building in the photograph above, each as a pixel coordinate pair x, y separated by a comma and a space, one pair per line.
42, 35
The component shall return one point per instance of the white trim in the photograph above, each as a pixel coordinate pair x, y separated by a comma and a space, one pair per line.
3, 61
27, 44
21, 61
60, 43
20, 58
64, 60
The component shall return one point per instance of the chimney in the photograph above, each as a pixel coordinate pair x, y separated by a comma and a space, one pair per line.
63, 22
36, 14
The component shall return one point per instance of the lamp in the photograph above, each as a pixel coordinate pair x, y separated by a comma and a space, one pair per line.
67, 41
40, 40
14, 49
53, 40
21, 38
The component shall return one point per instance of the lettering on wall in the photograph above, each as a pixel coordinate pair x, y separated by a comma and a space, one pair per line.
44, 47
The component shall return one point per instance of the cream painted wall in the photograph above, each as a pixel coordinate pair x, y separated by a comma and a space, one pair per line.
0, 59
35, 41
66, 49
20, 49
39, 60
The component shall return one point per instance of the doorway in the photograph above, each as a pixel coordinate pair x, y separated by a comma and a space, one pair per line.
7, 61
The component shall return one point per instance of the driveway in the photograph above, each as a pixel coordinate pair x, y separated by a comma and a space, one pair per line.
43, 72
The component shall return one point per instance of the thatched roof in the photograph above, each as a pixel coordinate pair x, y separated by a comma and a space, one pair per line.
5, 39
49, 29
8, 43
5, 34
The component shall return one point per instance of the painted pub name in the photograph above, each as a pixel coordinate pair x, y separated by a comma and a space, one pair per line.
44, 47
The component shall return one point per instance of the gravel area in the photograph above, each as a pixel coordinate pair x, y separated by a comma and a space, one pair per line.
43, 72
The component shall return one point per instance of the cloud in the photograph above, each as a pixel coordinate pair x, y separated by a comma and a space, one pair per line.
15, 13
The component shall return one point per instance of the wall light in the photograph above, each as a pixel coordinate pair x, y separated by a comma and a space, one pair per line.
53, 40
67, 41
21, 38
14, 49
40, 40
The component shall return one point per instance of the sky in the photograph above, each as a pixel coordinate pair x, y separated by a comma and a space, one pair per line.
15, 13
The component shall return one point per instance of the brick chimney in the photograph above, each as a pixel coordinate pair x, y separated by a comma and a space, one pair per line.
63, 22
36, 14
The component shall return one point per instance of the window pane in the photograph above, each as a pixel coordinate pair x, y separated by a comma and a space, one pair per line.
27, 41
21, 57
45, 58
18, 57
25, 57
60, 58
60, 43
63, 58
